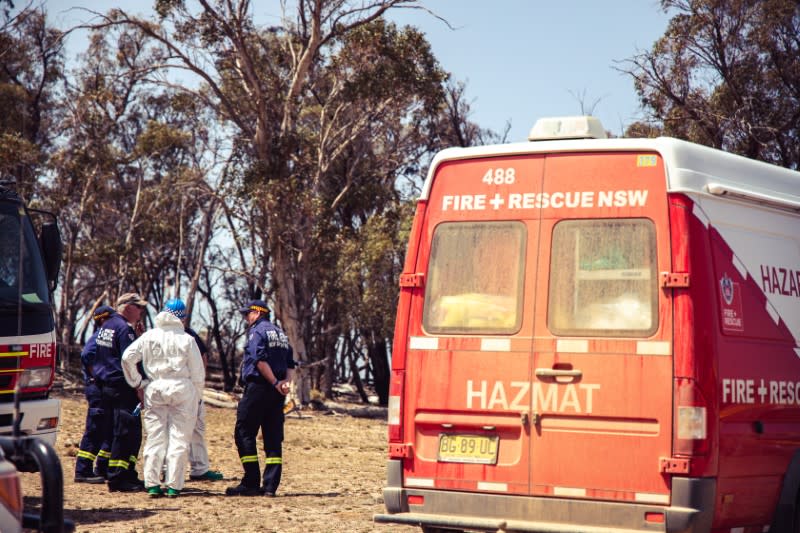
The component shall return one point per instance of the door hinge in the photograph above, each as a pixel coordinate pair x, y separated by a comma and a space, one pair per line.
674, 465
414, 280
401, 450
672, 280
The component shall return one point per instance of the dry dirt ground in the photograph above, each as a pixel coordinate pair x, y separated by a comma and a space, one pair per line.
334, 471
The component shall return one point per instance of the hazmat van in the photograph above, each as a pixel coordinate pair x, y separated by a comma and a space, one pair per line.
598, 335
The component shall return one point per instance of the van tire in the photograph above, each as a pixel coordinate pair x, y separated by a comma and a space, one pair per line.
431, 529
787, 512
796, 515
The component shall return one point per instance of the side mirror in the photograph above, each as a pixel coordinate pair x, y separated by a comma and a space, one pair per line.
52, 249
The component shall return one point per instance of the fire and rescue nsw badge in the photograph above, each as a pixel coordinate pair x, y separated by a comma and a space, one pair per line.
732, 317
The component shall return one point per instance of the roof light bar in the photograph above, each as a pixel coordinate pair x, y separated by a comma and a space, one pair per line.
580, 127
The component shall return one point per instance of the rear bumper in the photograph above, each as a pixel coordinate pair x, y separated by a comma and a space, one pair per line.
691, 510
33, 411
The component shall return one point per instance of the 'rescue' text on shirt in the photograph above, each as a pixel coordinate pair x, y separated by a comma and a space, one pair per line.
545, 200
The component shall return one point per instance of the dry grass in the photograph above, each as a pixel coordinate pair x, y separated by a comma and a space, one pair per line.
334, 471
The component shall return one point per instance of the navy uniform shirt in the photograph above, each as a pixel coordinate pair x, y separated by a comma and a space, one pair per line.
112, 338
87, 357
266, 342
200, 344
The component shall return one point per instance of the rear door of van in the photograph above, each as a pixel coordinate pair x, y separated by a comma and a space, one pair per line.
602, 353
468, 364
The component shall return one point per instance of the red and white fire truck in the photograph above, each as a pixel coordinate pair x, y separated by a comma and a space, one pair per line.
29, 263
598, 335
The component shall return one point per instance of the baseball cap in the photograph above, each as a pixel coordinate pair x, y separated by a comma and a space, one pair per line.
131, 298
255, 305
104, 311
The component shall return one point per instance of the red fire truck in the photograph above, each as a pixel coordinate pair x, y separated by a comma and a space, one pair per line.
598, 335
29, 264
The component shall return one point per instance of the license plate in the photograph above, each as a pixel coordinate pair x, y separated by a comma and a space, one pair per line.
477, 449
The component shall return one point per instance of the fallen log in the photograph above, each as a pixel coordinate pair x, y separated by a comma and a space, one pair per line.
217, 395
220, 403
219, 399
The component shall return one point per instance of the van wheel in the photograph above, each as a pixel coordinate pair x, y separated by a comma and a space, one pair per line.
796, 517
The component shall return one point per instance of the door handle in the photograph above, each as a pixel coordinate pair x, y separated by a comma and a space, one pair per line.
556, 373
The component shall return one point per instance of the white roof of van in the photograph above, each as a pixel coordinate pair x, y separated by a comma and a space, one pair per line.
690, 167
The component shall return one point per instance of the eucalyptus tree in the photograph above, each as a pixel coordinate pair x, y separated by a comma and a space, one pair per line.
31, 71
726, 74
376, 220
126, 179
392, 75
302, 100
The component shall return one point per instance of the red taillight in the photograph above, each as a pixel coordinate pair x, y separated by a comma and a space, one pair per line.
691, 419
395, 416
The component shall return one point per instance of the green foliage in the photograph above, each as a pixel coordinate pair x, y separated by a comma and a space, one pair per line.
164, 7
727, 74
377, 59
17, 153
158, 138
31, 69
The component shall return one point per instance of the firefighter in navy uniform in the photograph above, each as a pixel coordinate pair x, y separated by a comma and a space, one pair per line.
120, 398
91, 464
267, 367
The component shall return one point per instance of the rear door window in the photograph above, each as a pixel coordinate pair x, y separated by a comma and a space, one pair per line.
603, 278
475, 278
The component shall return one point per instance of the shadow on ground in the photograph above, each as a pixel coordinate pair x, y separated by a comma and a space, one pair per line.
105, 515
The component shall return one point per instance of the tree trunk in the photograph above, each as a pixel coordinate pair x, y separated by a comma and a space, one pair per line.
228, 370
287, 311
356, 378
200, 260
379, 357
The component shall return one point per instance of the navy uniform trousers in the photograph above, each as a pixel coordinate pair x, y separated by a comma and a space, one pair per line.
94, 446
126, 431
261, 407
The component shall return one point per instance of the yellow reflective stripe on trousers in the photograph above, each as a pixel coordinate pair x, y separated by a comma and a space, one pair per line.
132, 460
118, 463
249, 459
104, 453
274, 460
83, 454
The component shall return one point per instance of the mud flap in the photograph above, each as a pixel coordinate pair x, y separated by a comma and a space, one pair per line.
392, 493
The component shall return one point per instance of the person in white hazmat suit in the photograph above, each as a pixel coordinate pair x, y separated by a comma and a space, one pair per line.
173, 381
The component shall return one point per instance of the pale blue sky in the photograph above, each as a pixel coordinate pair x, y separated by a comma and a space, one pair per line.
526, 59
521, 59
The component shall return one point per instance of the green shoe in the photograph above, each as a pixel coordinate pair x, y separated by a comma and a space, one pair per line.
173, 493
210, 475
154, 492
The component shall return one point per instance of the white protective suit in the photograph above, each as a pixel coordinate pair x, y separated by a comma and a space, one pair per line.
173, 381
